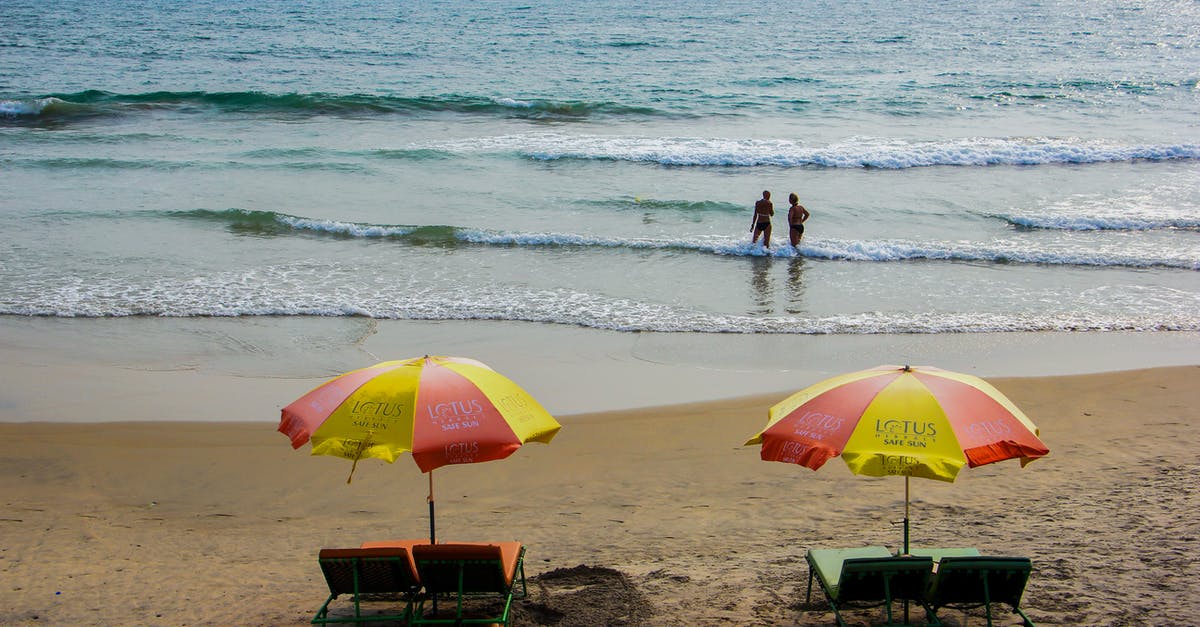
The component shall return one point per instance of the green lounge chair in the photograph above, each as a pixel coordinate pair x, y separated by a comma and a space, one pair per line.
869, 577
372, 574
938, 553
488, 573
967, 582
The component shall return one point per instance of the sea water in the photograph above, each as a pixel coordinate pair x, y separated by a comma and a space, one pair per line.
1015, 166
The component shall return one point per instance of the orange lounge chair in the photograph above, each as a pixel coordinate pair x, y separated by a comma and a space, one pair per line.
490, 573
392, 544
369, 574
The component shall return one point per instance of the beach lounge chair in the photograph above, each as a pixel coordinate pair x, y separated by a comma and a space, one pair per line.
938, 553
869, 577
407, 544
371, 574
967, 582
481, 579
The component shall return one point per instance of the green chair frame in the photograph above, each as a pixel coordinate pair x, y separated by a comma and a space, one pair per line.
466, 571
371, 574
970, 582
867, 578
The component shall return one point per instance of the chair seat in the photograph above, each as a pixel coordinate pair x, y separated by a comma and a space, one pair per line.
980, 581
381, 544
362, 572
869, 577
827, 563
466, 570
509, 551
938, 553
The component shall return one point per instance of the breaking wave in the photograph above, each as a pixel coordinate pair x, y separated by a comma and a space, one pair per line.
231, 294
93, 103
860, 152
896, 250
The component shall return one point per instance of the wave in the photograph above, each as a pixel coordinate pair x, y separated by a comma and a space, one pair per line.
859, 250
858, 152
108, 163
1075, 89
1103, 222
255, 294
273, 223
658, 206
1164, 206
93, 103
1004, 251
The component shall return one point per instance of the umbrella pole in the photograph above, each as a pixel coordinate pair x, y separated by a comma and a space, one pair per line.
906, 536
432, 533
905, 514
432, 529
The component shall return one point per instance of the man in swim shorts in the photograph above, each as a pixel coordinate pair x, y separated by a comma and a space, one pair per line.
763, 210
797, 215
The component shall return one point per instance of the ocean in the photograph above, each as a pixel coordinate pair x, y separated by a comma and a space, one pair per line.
1011, 166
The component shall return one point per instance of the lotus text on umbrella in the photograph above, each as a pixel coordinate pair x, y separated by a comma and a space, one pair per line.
375, 415
902, 432
454, 415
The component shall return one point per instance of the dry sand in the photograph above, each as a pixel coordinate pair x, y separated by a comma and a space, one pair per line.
646, 517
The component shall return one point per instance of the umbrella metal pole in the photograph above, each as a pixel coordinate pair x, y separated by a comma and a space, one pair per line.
905, 514
432, 529
906, 535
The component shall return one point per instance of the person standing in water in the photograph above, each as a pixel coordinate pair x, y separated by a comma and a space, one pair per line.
763, 210
797, 215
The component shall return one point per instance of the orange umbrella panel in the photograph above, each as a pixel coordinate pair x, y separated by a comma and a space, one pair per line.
813, 426
458, 422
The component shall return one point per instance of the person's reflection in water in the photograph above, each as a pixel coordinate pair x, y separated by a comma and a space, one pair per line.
764, 290
795, 284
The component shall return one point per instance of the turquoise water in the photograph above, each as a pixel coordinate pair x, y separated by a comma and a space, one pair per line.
970, 167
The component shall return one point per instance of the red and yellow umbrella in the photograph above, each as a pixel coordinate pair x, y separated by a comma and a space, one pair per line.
445, 410
899, 420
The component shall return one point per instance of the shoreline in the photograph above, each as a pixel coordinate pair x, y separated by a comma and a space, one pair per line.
56, 369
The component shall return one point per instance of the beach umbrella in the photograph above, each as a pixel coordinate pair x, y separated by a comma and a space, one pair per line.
907, 421
444, 410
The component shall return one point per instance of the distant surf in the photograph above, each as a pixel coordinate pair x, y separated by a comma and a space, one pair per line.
859, 152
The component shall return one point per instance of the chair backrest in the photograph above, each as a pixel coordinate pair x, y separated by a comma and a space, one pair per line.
880, 578
369, 571
463, 568
961, 580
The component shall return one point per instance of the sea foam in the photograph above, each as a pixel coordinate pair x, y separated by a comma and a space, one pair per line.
860, 152
1067, 252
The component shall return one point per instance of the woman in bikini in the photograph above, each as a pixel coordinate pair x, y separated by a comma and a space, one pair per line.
763, 210
797, 215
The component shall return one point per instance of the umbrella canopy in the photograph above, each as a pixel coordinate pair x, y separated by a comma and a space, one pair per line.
445, 410
899, 420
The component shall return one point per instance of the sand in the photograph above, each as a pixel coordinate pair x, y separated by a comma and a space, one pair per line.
634, 517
